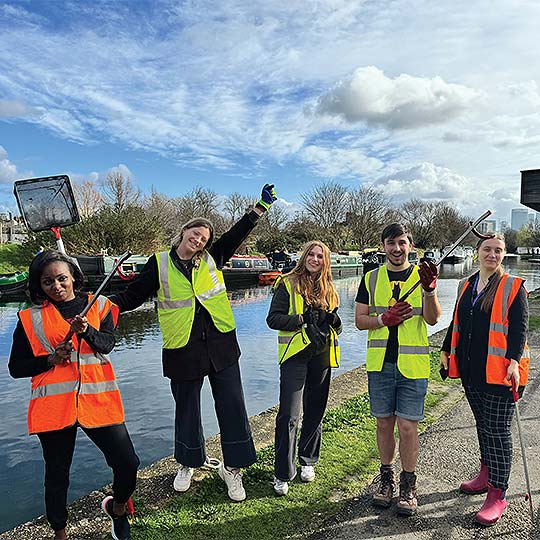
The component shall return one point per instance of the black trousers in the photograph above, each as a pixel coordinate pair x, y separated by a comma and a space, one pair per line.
493, 415
58, 448
236, 440
304, 378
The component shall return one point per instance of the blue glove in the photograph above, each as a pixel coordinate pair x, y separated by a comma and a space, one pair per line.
268, 196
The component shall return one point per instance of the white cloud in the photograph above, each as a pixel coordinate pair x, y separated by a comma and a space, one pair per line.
16, 109
424, 181
8, 171
334, 162
403, 102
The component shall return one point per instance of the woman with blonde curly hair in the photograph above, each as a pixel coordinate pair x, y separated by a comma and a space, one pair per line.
303, 310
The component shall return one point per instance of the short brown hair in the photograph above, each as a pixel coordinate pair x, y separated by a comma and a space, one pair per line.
394, 230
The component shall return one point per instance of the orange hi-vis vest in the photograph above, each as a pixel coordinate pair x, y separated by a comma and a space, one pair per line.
83, 390
497, 364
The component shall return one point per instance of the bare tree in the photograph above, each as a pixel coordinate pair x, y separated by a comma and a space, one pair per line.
163, 210
420, 217
88, 198
119, 192
367, 215
236, 205
326, 204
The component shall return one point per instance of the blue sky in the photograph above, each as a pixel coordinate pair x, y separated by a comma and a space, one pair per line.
437, 100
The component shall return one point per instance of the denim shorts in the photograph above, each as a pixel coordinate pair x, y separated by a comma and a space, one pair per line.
392, 394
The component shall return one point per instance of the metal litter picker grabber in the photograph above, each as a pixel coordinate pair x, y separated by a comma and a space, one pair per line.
470, 229
528, 495
47, 203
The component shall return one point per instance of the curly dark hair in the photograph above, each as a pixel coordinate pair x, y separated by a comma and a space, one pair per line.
38, 265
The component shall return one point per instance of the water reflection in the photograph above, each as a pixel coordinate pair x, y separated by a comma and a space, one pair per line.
146, 394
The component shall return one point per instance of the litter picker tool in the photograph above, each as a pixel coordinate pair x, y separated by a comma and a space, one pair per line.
528, 495
47, 203
470, 229
100, 289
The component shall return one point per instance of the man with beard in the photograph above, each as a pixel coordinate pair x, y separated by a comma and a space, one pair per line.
397, 359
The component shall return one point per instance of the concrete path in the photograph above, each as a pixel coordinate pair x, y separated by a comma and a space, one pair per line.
446, 458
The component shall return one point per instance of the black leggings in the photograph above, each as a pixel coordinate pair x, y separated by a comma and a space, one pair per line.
493, 415
58, 448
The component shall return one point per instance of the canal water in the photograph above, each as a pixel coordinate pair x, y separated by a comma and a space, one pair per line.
146, 394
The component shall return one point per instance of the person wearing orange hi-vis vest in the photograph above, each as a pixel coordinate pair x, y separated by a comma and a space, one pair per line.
73, 385
304, 311
486, 346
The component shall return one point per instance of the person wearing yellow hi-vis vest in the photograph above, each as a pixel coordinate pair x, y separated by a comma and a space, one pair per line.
397, 358
199, 340
303, 310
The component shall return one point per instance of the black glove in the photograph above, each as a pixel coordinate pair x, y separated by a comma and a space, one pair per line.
310, 315
268, 196
333, 319
428, 275
317, 337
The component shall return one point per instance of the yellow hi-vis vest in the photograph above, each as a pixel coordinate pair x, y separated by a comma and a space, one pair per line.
413, 345
176, 299
291, 343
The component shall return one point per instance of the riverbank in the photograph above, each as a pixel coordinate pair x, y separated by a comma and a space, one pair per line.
348, 463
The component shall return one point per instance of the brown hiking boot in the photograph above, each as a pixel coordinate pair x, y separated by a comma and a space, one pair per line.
385, 486
407, 503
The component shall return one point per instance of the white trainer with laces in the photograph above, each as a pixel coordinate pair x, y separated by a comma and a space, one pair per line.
307, 474
233, 479
182, 480
280, 487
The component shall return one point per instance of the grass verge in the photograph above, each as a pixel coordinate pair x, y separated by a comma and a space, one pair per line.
534, 323
12, 258
349, 458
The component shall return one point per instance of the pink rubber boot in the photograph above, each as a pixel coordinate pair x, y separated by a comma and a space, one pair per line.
479, 484
493, 507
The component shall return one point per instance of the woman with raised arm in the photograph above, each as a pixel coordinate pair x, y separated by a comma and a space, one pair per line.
486, 346
303, 310
199, 340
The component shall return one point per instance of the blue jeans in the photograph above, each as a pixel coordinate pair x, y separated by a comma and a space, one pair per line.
392, 394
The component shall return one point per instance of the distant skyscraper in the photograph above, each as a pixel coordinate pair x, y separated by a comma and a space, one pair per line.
504, 225
520, 218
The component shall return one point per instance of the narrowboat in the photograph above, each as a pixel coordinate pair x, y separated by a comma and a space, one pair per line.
13, 284
244, 270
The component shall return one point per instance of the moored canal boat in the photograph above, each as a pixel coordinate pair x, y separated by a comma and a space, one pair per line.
13, 284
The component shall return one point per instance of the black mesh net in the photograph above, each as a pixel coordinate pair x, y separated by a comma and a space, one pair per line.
46, 202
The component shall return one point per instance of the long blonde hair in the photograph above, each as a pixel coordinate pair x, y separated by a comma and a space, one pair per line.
319, 292
493, 282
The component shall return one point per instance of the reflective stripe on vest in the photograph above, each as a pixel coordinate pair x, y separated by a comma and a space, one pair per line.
291, 343
496, 362
177, 299
83, 390
413, 345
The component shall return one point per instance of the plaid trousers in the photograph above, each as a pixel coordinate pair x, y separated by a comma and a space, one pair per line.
493, 415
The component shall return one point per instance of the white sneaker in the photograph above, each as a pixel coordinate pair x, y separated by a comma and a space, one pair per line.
307, 474
182, 480
280, 487
233, 479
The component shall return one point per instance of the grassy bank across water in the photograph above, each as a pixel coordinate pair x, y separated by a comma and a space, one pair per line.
12, 258
349, 459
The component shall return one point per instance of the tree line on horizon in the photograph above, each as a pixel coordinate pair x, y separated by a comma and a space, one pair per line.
116, 216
